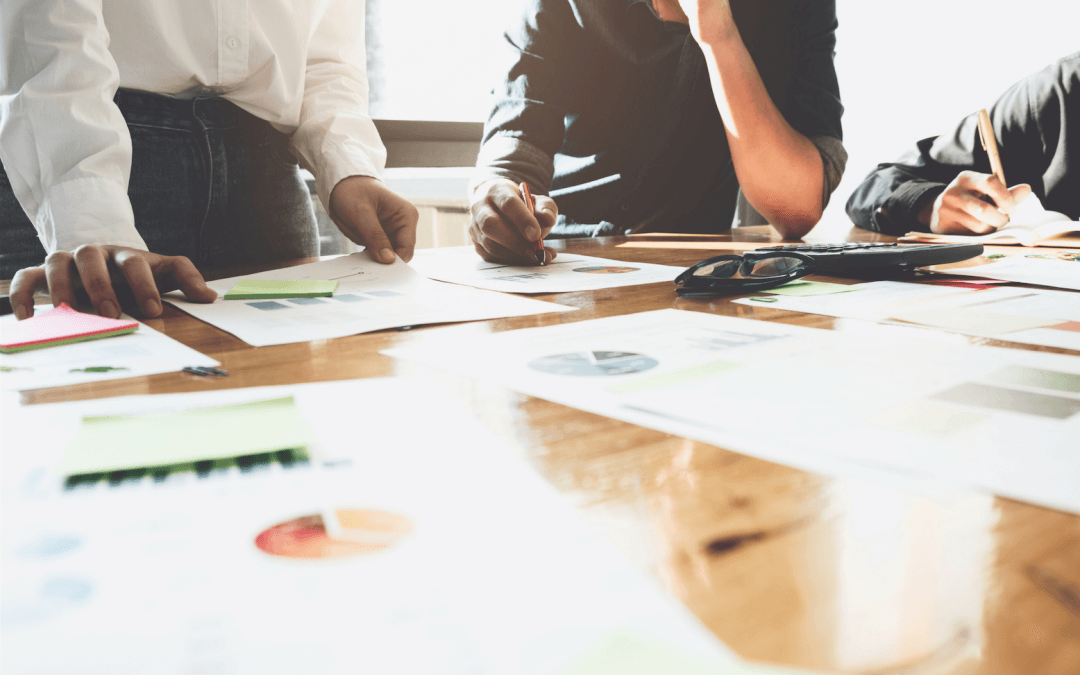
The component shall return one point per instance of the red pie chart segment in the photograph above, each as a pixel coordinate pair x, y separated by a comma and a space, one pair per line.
362, 531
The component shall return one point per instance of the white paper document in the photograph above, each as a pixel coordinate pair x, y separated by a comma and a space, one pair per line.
144, 352
1030, 268
1000, 420
370, 296
566, 273
490, 571
1030, 225
1024, 315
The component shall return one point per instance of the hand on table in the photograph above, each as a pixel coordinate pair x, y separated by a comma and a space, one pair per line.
960, 209
100, 270
501, 226
372, 215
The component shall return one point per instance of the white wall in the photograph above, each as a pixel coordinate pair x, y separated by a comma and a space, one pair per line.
910, 69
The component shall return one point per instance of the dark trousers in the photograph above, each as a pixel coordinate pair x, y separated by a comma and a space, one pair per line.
208, 181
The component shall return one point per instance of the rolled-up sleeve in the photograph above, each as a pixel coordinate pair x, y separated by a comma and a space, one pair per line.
891, 197
63, 142
813, 106
336, 138
526, 126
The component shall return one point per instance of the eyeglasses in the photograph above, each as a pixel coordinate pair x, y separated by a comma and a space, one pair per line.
753, 271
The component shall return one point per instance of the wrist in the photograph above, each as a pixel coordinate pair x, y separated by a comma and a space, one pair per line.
715, 27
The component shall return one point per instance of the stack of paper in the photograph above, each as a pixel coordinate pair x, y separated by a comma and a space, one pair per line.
60, 326
143, 352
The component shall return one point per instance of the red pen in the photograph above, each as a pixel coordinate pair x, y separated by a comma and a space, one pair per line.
538, 245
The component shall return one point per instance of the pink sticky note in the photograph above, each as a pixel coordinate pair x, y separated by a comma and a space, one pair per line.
60, 326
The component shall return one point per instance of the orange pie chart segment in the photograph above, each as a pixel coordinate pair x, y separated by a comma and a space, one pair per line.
306, 537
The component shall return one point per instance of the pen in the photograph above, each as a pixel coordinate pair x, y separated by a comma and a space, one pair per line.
538, 245
989, 143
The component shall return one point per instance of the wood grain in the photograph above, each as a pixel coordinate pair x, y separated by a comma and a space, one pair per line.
785, 566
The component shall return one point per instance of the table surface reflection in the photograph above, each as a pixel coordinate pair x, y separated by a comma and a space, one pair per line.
785, 566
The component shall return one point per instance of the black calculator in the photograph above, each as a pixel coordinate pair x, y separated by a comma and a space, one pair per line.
859, 259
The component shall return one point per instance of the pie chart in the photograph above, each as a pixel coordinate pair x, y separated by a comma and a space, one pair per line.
606, 270
591, 364
362, 531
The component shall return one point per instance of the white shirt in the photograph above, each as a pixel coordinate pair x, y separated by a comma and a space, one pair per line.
298, 64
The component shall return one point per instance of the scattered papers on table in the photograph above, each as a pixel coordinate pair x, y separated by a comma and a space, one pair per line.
1025, 315
172, 439
143, 352
566, 273
1003, 420
269, 289
469, 553
975, 321
60, 326
1032, 268
370, 296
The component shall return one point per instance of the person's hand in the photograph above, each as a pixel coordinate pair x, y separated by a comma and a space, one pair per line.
960, 209
501, 226
103, 270
370, 214
710, 21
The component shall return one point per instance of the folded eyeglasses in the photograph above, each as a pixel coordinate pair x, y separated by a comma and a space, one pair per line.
735, 274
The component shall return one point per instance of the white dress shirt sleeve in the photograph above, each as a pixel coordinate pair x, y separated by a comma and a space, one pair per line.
336, 138
64, 144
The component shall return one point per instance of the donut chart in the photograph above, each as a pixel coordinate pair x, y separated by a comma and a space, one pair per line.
362, 531
592, 364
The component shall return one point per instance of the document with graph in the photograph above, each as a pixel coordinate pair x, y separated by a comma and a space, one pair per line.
1026, 315
369, 296
999, 420
566, 273
450, 554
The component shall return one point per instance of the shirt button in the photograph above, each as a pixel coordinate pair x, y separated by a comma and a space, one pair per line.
232, 42
625, 207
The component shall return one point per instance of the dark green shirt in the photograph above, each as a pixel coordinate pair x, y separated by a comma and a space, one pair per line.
611, 110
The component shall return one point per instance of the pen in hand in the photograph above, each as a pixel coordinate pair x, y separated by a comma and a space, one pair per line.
538, 245
989, 143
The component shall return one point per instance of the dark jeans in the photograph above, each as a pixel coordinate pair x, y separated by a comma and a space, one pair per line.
208, 181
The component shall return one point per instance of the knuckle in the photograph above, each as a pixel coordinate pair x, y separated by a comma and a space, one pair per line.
58, 258
87, 252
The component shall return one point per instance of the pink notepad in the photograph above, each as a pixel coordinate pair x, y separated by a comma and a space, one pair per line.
60, 326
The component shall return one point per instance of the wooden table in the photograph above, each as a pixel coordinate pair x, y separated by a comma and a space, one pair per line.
785, 566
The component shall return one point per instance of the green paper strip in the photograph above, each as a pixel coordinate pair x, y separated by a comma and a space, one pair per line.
627, 652
96, 369
673, 377
807, 288
105, 444
269, 289
57, 343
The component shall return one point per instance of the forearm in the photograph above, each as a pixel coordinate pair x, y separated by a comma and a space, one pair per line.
779, 170
63, 141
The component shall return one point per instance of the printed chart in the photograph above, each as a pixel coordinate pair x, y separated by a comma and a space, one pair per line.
608, 269
307, 537
566, 273
369, 296
923, 410
590, 364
